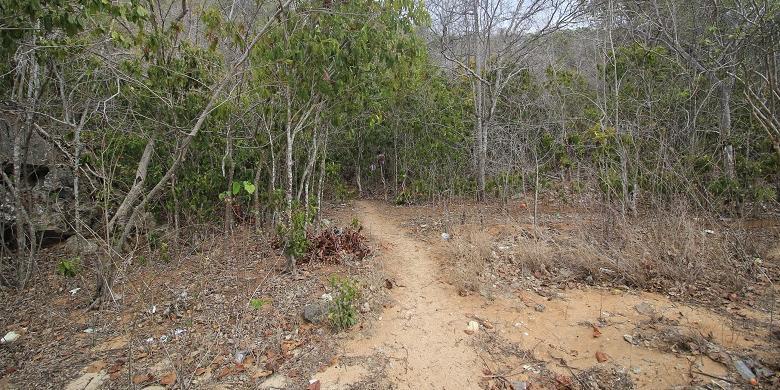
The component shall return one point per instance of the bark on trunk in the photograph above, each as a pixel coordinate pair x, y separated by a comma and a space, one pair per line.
725, 128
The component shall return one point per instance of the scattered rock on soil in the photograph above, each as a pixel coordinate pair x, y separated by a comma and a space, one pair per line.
540, 307
365, 308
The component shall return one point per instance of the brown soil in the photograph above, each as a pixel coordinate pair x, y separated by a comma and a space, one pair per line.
421, 336
415, 336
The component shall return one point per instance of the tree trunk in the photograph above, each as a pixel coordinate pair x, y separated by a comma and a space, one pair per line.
228, 171
725, 128
479, 136
288, 191
256, 196
322, 177
120, 217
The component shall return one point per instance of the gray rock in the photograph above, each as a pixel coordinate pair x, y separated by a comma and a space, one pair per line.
76, 245
540, 307
316, 312
365, 308
9, 337
645, 308
519, 385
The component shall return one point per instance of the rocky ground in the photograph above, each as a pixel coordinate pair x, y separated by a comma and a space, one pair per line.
219, 313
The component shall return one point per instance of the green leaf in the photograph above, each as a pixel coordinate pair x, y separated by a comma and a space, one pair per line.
236, 187
141, 11
249, 188
258, 303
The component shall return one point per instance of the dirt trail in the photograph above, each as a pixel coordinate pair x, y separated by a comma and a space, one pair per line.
421, 344
421, 336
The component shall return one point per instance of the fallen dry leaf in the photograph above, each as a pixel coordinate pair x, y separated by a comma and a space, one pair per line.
117, 366
601, 357
261, 374
225, 372
314, 385
290, 345
168, 379
200, 371
113, 344
143, 378
563, 380
596, 332
95, 367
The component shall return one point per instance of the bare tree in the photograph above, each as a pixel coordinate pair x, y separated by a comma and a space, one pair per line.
488, 41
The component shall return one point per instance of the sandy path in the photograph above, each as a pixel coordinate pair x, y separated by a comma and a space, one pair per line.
422, 335
422, 343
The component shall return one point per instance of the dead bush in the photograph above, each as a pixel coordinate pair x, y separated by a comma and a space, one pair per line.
467, 256
330, 245
669, 248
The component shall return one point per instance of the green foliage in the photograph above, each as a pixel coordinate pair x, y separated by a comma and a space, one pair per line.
403, 198
355, 223
343, 313
293, 235
236, 188
68, 268
258, 303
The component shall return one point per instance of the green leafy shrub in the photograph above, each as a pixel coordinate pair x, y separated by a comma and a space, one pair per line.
68, 268
343, 314
355, 224
236, 188
258, 303
294, 236
403, 198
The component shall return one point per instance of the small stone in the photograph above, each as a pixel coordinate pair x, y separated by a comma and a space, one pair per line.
629, 339
519, 385
316, 312
240, 356
10, 337
540, 307
645, 308
445, 236
636, 370
472, 327
365, 308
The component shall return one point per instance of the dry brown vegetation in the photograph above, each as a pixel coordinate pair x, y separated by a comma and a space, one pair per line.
216, 309
672, 251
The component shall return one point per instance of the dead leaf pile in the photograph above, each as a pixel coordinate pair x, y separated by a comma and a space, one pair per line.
330, 245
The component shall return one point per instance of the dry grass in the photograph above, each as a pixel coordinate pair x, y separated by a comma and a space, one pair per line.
467, 258
670, 249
